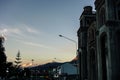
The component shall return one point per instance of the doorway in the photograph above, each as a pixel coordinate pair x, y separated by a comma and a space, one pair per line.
104, 53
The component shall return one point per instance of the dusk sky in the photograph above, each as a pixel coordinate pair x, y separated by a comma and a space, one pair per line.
33, 26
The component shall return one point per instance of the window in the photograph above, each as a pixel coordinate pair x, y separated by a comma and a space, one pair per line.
102, 17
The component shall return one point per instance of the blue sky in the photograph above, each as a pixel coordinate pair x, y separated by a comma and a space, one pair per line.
33, 26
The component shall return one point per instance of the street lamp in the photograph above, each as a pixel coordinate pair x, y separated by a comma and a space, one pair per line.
70, 40
75, 47
32, 61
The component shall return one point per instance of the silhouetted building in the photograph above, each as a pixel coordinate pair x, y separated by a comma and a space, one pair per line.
99, 41
92, 52
108, 39
87, 17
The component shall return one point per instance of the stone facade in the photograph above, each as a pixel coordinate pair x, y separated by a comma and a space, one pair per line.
87, 17
108, 28
99, 41
92, 52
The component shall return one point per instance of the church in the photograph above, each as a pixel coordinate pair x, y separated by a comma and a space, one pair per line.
99, 41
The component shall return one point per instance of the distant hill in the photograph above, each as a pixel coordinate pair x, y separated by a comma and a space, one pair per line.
46, 66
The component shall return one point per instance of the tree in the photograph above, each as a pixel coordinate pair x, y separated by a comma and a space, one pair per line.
10, 69
18, 64
18, 59
3, 58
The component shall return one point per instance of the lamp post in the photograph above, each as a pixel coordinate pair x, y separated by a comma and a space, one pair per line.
32, 61
70, 40
75, 47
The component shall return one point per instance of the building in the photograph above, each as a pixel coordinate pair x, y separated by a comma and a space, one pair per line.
92, 52
66, 71
99, 41
86, 19
108, 39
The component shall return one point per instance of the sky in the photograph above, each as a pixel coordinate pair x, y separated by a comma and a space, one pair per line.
33, 28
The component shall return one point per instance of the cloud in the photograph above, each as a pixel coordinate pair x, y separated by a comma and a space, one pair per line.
31, 30
37, 45
12, 32
3, 33
15, 31
33, 44
20, 31
5, 29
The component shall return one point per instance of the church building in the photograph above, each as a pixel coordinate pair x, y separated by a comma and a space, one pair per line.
99, 41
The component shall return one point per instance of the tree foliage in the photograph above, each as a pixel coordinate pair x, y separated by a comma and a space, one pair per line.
3, 58
18, 59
